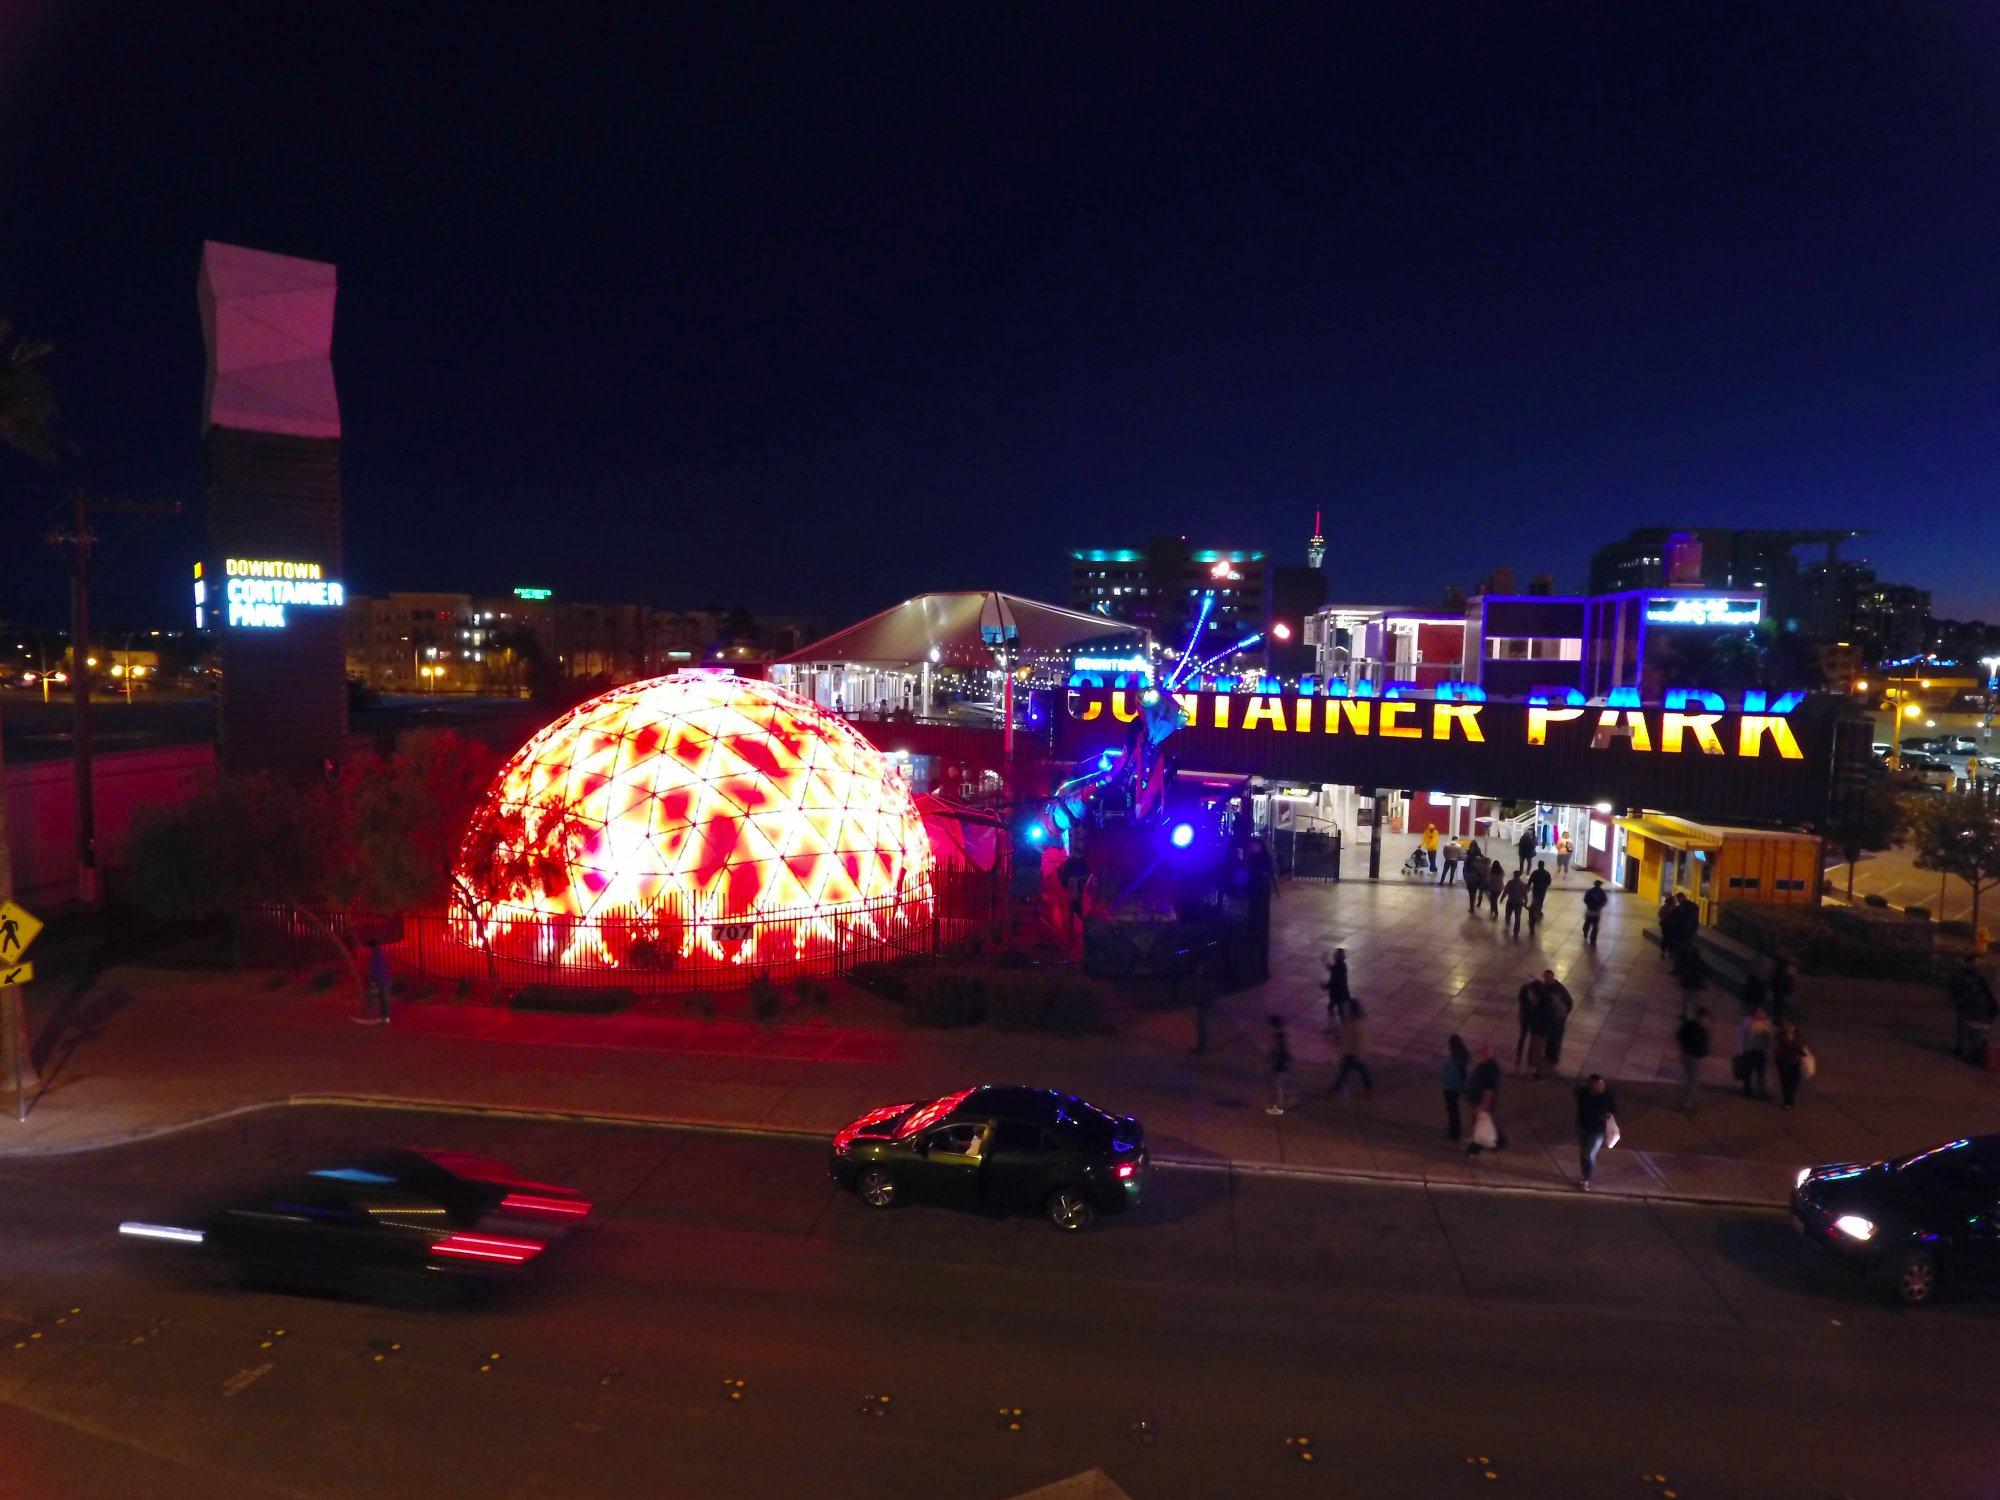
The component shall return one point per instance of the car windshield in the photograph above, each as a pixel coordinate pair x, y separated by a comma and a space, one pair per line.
929, 1114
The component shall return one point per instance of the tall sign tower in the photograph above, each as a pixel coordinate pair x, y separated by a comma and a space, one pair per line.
269, 581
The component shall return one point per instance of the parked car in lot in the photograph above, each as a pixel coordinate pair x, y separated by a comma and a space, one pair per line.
383, 1221
996, 1146
1923, 1221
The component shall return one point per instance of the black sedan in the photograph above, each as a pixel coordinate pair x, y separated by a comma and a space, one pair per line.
998, 1147
1924, 1221
386, 1220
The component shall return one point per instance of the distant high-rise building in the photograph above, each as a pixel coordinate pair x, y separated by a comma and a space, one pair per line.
1161, 586
1846, 603
1316, 546
1712, 557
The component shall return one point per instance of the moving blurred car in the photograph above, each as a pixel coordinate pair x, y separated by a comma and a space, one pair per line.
996, 1146
1922, 1221
388, 1219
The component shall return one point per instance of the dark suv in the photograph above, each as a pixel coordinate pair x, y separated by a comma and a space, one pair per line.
1921, 1220
996, 1146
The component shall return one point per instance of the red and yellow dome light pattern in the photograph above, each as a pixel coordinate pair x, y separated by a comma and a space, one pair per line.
698, 816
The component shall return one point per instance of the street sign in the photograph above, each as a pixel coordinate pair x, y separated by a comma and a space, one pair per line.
19, 928
18, 974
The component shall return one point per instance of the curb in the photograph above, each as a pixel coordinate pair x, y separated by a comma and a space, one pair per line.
1275, 1170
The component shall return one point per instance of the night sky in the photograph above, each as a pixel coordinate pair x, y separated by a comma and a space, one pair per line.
814, 307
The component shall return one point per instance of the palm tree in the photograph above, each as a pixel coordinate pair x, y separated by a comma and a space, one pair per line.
27, 425
27, 400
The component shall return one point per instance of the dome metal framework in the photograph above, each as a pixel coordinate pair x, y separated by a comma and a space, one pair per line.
697, 817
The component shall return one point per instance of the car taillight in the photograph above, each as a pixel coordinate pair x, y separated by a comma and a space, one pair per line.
536, 1203
1128, 1169
487, 1247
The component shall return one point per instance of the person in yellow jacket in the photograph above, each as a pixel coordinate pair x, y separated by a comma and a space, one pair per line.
1429, 844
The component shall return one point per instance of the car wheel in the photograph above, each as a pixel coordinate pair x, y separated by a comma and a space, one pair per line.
1916, 1278
1069, 1210
876, 1187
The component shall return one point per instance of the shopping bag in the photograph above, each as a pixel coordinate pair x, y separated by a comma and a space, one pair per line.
1485, 1134
1808, 1065
1612, 1134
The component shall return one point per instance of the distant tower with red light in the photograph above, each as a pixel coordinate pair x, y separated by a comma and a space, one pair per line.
1316, 547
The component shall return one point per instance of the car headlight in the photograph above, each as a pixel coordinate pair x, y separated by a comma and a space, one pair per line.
1800, 1180
1855, 1227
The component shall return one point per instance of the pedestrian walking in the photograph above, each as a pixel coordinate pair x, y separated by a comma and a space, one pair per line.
1974, 1009
1565, 851
1596, 1125
1475, 879
1279, 1060
1781, 988
1552, 1013
1538, 892
378, 983
1525, 848
1526, 998
1353, 1041
1516, 892
1453, 1075
1482, 1092
1338, 996
1594, 902
1794, 1060
1429, 845
1669, 931
1754, 1037
1496, 881
1693, 1040
1204, 1007
1452, 855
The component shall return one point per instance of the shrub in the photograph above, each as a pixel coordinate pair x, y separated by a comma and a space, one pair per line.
1871, 899
1833, 939
700, 1007
563, 1001
1917, 913
1010, 998
766, 1003
892, 981
811, 994
1955, 929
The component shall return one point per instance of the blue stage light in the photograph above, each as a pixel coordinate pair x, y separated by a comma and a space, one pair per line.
1036, 833
1182, 836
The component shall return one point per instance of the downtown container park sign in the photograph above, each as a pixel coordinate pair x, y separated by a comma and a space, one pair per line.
1751, 757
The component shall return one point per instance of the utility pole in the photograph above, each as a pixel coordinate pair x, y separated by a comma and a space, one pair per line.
77, 541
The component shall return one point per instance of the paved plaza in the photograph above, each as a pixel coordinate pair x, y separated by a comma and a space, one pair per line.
143, 1050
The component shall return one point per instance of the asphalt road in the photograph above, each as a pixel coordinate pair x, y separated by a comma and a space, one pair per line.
1427, 1343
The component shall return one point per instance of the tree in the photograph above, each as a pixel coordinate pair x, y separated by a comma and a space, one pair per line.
1542, 583
27, 399
1869, 818
404, 818
1956, 833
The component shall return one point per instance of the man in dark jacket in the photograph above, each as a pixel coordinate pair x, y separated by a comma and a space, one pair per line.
1538, 892
1594, 902
1973, 1003
1552, 1016
1525, 847
1339, 999
1693, 1039
1475, 879
1595, 1110
1516, 892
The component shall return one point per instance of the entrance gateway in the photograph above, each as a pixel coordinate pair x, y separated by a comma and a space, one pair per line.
1752, 758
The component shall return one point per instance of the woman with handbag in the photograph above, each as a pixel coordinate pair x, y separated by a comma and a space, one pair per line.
1596, 1125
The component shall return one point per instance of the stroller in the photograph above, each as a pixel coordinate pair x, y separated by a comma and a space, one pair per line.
1417, 864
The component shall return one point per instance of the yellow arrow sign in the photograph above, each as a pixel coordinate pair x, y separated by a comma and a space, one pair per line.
19, 928
18, 974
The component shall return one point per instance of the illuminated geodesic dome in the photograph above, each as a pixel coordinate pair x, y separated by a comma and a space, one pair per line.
694, 817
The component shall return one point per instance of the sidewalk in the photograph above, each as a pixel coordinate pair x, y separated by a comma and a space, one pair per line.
150, 1049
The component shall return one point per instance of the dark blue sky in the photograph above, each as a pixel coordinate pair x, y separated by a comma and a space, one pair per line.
816, 306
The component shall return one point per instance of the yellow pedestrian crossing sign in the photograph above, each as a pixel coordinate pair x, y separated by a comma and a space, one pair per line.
19, 928
16, 974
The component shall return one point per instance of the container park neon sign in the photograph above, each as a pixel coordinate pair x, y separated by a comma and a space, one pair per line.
1704, 609
257, 591
1690, 720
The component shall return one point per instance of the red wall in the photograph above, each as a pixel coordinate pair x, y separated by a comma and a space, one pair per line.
41, 811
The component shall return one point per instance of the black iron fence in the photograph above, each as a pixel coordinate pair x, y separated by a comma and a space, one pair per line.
664, 950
